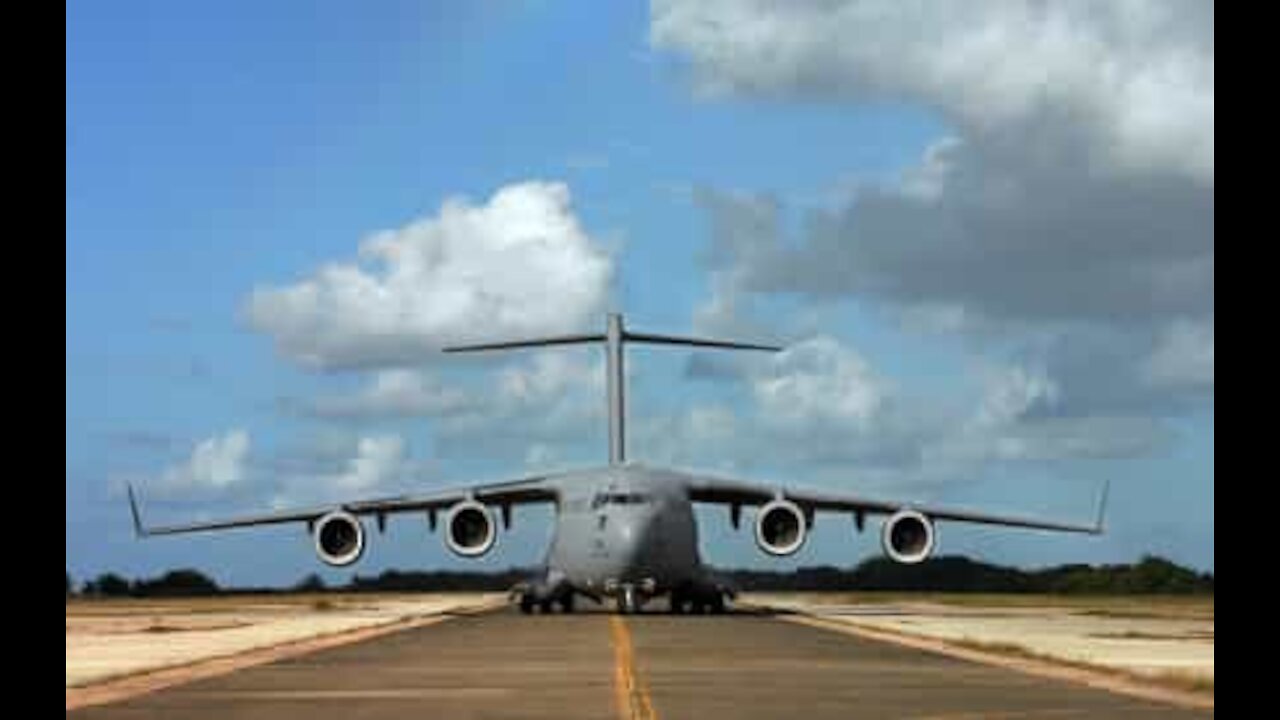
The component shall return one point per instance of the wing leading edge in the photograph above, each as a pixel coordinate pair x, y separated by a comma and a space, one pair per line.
536, 489
727, 491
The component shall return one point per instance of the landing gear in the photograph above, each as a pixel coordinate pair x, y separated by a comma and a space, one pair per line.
528, 603
696, 602
628, 603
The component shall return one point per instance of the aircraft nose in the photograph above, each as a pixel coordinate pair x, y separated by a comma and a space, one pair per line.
635, 542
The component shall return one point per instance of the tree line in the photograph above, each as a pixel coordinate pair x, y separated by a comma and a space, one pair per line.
1150, 575
175, 583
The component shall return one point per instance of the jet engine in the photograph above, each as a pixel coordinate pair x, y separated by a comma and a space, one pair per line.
908, 537
470, 530
339, 538
781, 528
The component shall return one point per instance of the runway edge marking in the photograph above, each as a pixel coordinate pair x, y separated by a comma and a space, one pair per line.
1099, 679
149, 681
631, 694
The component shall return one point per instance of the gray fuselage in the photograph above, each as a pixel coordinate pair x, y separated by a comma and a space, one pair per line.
624, 526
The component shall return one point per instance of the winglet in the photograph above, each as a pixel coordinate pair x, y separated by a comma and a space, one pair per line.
138, 528
1098, 525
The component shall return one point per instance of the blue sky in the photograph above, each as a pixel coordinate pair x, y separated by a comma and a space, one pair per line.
970, 323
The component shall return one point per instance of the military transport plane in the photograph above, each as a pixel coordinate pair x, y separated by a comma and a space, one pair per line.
624, 531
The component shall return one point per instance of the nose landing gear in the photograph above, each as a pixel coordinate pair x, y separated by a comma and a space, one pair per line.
628, 602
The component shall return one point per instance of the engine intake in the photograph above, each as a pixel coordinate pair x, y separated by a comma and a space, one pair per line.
339, 538
908, 537
780, 528
470, 530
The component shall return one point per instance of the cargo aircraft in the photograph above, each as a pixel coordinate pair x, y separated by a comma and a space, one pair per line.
625, 531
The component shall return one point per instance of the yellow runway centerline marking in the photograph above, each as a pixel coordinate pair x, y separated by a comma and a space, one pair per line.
630, 692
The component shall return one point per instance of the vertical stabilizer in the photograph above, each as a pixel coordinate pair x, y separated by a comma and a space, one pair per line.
615, 338
617, 384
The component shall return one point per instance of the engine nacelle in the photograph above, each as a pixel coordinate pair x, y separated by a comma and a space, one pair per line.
781, 528
908, 537
339, 538
469, 529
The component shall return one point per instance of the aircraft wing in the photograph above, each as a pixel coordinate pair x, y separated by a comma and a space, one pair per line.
728, 491
535, 489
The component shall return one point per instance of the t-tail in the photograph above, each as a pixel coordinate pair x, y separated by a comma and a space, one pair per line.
615, 337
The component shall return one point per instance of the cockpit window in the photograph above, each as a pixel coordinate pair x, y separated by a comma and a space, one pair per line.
621, 498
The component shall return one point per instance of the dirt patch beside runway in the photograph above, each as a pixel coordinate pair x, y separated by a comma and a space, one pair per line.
117, 649
1161, 648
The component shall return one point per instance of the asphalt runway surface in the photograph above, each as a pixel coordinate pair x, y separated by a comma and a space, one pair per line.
596, 665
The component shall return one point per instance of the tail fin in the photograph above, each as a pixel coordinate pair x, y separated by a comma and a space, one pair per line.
627, 337
614, 338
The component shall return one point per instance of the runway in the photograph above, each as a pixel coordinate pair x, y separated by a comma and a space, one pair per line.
595, 665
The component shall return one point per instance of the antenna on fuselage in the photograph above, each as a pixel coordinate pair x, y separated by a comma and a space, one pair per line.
615, 337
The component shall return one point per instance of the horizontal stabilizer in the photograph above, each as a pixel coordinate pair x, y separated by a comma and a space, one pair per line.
653, 339
533, 342
615, 338
626, 337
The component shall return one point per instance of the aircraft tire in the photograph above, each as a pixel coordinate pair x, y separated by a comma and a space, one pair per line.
627, 603
717, 605
676, 604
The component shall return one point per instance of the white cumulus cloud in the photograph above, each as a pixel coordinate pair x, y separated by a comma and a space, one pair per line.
1065, 220
216, 464
1183, 356
394, 393
341, 467
520, 264
1135, 78
818, 381
377, 461
1011, 393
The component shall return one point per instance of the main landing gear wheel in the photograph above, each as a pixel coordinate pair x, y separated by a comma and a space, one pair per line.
717, 605
566, 603
526, 604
